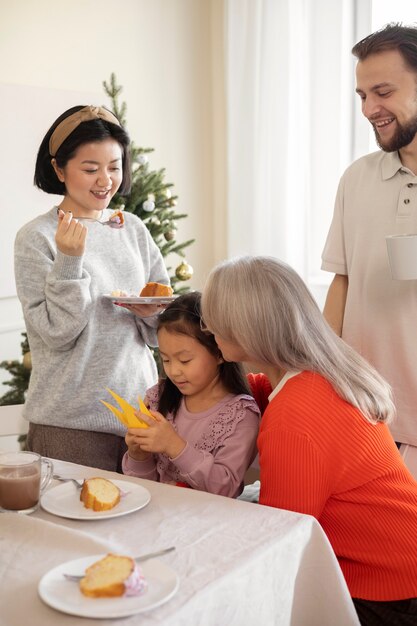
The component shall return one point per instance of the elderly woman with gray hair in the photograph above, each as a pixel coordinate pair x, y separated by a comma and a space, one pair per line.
324, 445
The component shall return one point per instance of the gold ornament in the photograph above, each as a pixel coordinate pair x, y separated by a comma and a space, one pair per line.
27, 361
184, 271
169, 235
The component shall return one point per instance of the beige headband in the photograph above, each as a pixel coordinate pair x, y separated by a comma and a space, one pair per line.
70, 123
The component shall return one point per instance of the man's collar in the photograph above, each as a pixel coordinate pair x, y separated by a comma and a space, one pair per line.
391, 164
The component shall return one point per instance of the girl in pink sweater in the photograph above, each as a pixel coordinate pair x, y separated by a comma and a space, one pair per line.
324, 445
205, 424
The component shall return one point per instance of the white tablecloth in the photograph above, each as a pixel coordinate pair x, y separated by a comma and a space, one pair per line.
239, 563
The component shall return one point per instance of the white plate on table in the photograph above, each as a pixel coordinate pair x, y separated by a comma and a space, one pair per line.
141, 299
64, 501
65, 596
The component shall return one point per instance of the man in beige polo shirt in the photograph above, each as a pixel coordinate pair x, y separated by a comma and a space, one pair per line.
377, 196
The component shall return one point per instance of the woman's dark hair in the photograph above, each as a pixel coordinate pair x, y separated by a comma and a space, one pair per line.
393, 36
92, 130
183, 316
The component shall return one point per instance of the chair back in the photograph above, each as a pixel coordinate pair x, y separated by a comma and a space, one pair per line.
11, 420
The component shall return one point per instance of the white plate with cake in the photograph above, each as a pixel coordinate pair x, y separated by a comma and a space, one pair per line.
98, 499
66, 596
140, 299
152, 293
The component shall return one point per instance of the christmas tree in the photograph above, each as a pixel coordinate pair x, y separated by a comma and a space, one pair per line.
21, 374
152, 200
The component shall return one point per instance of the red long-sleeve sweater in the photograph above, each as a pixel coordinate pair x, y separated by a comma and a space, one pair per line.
319, 456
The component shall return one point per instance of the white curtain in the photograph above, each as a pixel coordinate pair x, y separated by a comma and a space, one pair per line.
289, 90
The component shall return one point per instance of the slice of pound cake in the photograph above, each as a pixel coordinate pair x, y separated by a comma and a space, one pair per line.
99, 494
113, 576
156, 289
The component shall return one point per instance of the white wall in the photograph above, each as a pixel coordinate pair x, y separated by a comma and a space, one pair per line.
162, 52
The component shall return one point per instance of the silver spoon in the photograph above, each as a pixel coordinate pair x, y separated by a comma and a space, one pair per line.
138, 559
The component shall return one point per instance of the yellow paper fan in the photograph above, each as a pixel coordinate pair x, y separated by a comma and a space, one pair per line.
127, 413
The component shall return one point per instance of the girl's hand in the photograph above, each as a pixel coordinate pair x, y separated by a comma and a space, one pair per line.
70, 235
160, 437
133, 445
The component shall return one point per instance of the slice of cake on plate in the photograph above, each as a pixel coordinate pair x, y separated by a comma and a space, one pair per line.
99, 494
113, 576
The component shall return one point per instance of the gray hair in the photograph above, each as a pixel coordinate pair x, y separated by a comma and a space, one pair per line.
263, 306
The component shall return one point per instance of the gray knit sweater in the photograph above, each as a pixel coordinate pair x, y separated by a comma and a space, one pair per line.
80, 341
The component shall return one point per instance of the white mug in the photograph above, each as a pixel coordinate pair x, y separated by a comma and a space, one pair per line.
402, 255
23, 478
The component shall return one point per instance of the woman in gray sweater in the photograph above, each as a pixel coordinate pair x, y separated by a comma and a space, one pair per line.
80, 341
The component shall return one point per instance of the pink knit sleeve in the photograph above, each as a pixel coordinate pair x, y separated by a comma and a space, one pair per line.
140, 469
220, 469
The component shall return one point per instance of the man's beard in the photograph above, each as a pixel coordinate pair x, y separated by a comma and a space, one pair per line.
403, 136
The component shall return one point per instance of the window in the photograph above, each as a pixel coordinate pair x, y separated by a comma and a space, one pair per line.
384, 11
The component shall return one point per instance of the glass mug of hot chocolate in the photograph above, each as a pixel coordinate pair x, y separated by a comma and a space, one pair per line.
24, 476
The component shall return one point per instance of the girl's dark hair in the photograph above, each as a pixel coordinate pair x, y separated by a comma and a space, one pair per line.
92, 130
393, 36
183, 316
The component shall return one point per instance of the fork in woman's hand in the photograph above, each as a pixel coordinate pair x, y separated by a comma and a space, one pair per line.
116, 220
110, 222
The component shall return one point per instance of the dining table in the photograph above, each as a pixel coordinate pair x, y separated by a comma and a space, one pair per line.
235, 562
